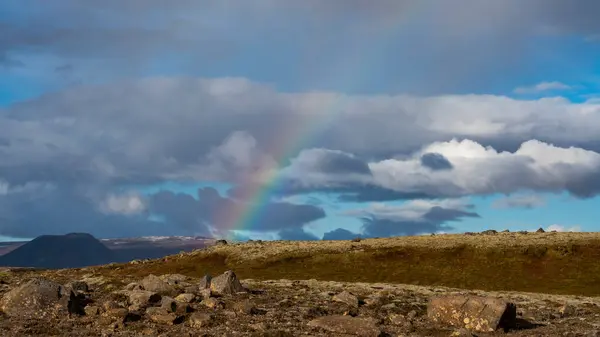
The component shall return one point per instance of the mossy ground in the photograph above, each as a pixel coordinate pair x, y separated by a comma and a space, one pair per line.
554, 263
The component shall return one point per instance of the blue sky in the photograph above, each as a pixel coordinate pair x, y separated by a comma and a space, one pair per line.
298, 120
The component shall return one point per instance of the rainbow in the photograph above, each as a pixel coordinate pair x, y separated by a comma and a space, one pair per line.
298, 134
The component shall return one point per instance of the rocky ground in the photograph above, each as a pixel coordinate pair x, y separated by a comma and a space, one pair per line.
38, 304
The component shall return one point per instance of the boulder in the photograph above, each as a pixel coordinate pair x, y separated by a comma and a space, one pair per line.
78, 286
186, 298
245, 307
226, 284
38, 298
205, 282
200, 320
92, 310
162, 316
340, 324
347, 298
141, 298
475, 313
156, 284
174, 279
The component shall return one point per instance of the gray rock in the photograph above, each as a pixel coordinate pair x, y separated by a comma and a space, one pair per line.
357, 326
200, 320
78, 286
92, 310
168, 303
141, 298
205, 282
162, 316
133, 286
174, 279
39, 298
205, 293
212, 303
245, 307
347, 298
186, 298
226, 284
157, 285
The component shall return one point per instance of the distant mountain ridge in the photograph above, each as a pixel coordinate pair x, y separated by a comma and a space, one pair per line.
75, 250
60, 251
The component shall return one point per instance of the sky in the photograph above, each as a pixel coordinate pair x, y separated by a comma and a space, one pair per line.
298, 120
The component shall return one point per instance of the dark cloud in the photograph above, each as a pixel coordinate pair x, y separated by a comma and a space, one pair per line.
331, 162
53, 210
296, 234
183, 210
340, 234
455, 47
435, 161
434, 220
29, 211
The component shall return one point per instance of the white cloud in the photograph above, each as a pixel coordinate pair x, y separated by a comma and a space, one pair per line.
125, 204
543, 87
201, 138
561, 228
483, 170
413, 210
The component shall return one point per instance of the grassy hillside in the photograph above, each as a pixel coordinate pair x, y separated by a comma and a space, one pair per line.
558, 263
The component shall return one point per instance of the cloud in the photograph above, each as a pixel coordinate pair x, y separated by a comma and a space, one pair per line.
412, 218
543, 87
210, 210
560, 228
528, 201
57, 136
534, 166
59, 210
453, 49
125, 204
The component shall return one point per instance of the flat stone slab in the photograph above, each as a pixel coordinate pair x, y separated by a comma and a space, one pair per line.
475, 313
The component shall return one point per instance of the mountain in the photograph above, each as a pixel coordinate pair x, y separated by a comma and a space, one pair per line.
60, 251
80, 250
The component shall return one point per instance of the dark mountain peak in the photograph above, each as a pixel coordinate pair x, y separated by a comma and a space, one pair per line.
59, 251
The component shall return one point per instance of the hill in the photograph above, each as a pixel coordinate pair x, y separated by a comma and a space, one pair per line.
59, 251
558, 263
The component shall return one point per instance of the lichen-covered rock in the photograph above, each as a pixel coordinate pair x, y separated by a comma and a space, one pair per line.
92, 310
156, 284
174, 279
245, 307
78, 286
186, 298
347, 298
38, 298
357, 326
204, 282
475, 313
162, 316
140, 299
212, 303
205, 293
200, 320
226, 284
